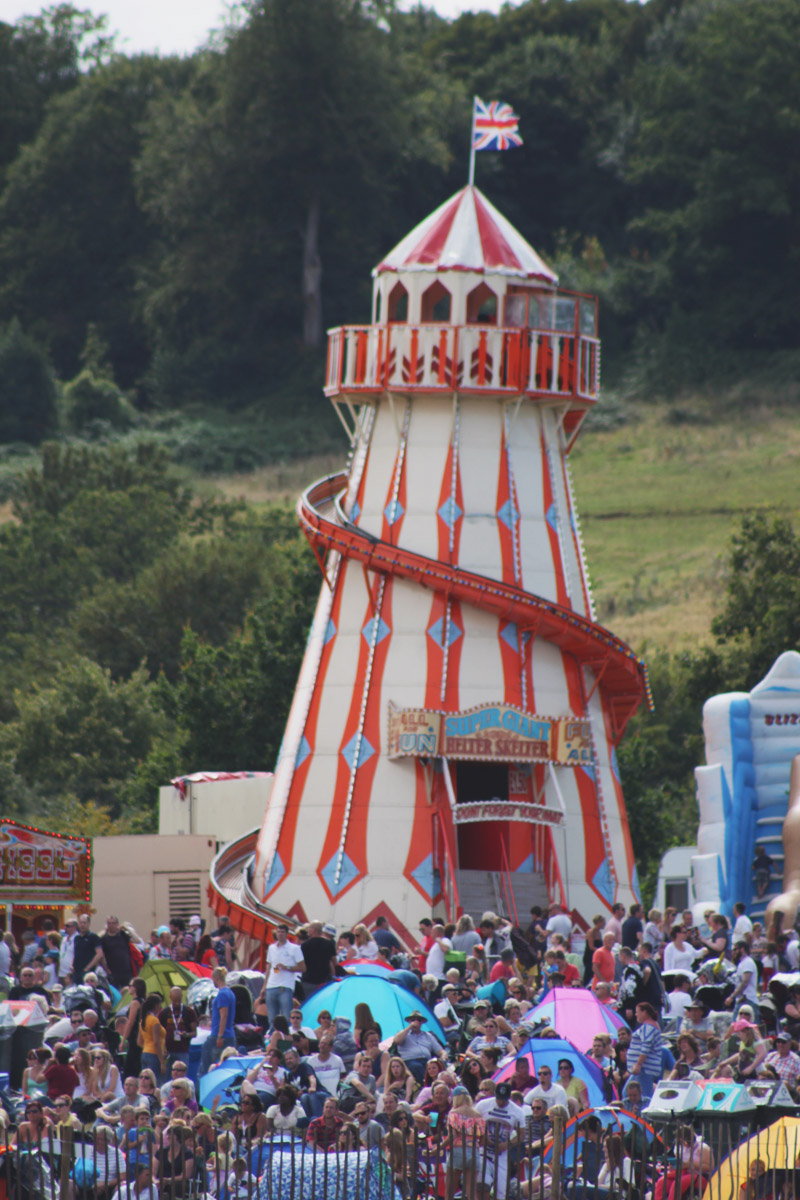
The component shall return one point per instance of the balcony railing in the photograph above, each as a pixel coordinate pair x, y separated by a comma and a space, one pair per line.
479, 358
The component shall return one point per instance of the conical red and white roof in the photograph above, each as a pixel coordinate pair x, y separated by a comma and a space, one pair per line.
467, 233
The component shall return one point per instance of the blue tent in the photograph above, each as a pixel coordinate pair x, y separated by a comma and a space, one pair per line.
546, 1052
219, 1081
388, 1003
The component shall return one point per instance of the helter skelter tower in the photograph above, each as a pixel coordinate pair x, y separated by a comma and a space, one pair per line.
458, 705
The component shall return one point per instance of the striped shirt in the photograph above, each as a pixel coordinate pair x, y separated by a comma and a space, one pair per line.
646, 1040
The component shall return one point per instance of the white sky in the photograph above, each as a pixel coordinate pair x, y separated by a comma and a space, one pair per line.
180, 26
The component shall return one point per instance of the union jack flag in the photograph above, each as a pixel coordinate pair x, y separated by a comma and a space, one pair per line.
494, 126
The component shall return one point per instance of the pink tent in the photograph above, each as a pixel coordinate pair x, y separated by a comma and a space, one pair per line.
577, 1015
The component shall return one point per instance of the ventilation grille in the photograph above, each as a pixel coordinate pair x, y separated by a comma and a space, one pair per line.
185, 893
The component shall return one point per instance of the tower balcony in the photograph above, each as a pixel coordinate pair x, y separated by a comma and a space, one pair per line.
539, 363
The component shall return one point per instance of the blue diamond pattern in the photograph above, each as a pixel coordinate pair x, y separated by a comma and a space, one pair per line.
602, 881
276, 872
436, 632
424, 876
355, 511
526, 865
330, 632
397, 508
508, 515
369, 629
509, 636
365, 753
551, 516
450, 512
348, 873
572, 522
303, 751
635, 884
588, 771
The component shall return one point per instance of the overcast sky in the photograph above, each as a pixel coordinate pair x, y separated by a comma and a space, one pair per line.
180, 26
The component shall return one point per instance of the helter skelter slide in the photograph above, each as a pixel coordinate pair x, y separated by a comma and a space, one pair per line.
458, 707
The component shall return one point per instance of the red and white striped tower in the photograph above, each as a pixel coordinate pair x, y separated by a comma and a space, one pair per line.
455, 592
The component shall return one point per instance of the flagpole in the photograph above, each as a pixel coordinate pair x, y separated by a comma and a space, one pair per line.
472, 145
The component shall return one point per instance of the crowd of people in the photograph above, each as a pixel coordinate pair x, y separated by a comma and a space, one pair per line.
116, 1064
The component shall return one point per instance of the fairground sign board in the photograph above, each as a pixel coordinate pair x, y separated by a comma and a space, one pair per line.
489, 733
506, 810
43, 868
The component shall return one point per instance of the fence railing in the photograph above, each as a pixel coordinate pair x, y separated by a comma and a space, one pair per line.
608, 1154
364, 358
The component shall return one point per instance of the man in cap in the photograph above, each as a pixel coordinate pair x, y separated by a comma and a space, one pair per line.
784, 1062
446, 1016
503, 1121
415, 1045
696, 1022
163, 947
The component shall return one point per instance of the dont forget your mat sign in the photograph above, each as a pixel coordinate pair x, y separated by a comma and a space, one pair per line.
489, 733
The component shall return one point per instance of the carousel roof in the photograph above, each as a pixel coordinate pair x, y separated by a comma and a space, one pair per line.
467, 233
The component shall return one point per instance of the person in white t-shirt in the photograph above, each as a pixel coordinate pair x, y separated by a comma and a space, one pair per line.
743, 929
559, 922
503, 1119
545, 1089
284, 963
434, 963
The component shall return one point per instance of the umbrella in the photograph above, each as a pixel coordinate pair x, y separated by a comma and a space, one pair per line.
220, 1080
200, 993
546, 1052
389, 1004
778, 1147
368, 966
577, 1015
197, 969
614, 1120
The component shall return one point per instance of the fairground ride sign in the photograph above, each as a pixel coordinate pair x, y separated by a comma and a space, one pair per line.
43, 868
506, 810
489, 733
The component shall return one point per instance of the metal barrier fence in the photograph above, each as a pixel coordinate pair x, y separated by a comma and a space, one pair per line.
719, 1157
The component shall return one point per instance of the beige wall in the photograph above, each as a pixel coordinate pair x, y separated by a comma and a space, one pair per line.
223, 809
149, 878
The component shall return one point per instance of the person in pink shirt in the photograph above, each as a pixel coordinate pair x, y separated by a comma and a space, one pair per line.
504, 967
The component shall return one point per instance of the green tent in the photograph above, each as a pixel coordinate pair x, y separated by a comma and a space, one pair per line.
160, 975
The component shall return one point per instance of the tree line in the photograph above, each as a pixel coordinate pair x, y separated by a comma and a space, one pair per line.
208, 216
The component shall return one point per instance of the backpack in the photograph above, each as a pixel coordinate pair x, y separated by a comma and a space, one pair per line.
137, 958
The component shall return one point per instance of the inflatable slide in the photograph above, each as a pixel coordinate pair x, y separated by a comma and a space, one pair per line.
744, 793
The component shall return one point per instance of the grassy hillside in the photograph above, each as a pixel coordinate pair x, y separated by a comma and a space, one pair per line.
659, 498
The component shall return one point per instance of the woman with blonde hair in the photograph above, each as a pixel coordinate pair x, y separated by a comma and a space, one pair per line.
366, 946
109, 1084
397, 1078
87, 1088
466, 1128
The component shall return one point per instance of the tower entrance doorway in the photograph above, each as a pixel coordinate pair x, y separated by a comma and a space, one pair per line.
481, 843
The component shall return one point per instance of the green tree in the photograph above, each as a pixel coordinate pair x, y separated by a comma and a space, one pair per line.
82, 734
713, 162
268, 180
230, 703
27, 389
71, 233
40, 57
